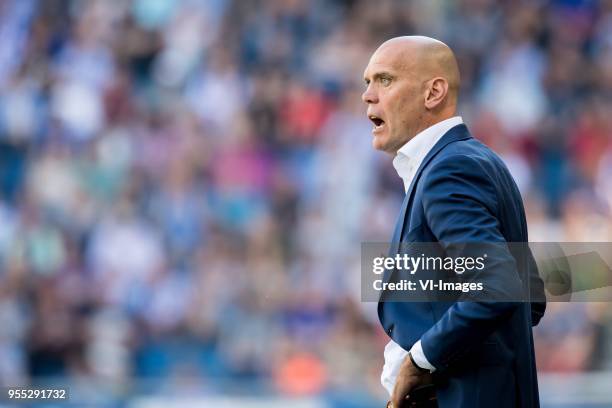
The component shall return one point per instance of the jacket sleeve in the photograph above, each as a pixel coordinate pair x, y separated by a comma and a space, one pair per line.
536, 292
459, 203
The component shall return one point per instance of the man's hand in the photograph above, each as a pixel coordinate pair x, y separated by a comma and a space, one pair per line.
408, 378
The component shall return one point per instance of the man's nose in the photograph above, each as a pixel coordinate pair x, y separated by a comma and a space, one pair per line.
369, 96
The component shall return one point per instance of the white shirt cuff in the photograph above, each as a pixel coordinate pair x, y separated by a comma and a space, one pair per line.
419, 357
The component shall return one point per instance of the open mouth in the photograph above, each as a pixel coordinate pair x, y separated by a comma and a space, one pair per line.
378, 122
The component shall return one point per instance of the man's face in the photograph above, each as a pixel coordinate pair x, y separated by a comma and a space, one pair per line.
394, 98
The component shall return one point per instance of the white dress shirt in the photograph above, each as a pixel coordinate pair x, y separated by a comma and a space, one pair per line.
407, 161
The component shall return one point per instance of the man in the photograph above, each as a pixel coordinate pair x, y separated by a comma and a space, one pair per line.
476, 354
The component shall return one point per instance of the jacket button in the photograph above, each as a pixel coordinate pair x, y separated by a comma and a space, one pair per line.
389, 331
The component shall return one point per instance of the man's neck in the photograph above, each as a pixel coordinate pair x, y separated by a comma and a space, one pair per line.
427, 123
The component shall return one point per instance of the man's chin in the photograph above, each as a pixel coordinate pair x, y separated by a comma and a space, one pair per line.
381, 143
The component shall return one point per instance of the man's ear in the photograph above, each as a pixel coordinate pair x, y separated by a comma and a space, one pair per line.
435, 93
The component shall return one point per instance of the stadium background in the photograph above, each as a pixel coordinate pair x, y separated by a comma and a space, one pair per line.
184, 187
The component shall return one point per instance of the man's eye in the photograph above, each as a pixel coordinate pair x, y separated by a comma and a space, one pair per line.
385, 81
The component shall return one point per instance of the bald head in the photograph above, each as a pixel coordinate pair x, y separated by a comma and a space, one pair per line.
423, 57
413, 83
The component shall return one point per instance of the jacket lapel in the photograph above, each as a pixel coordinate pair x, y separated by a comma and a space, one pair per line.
456, 133
459, 132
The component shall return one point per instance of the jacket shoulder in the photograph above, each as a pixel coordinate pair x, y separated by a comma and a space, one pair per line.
471, 156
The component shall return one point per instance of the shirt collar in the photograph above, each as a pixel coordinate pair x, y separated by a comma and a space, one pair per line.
410, 155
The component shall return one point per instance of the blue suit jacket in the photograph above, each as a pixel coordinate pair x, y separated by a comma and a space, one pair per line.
483, 351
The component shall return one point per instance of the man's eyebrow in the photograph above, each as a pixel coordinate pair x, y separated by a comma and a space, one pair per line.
379, 75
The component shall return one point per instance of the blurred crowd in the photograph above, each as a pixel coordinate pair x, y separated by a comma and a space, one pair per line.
185, 185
